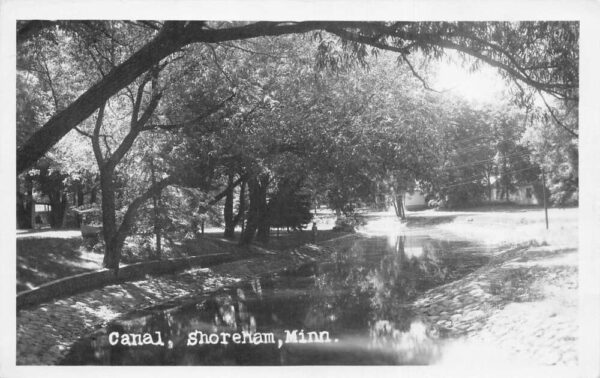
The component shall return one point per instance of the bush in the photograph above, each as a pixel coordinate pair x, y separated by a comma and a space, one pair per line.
348, 223
433, 203
290, 206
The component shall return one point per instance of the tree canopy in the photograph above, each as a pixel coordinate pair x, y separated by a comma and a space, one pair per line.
165, 119
541, 55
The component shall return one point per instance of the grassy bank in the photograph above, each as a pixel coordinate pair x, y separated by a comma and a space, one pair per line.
504, 225
50, 255
522, 307
46, 332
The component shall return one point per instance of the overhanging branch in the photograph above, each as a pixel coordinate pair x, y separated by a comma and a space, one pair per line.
558, 122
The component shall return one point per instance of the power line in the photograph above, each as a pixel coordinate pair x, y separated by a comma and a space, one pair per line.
477, 138
518, 154
482, 177
472, 148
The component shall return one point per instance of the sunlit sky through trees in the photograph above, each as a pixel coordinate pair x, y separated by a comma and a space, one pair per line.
483, 85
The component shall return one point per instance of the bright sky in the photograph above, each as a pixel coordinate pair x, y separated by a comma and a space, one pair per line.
483, 85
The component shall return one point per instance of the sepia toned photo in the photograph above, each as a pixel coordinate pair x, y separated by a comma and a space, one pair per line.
297, 193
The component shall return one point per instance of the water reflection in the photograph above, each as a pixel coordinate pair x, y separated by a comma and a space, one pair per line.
362, 300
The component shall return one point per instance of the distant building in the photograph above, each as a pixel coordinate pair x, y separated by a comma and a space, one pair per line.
414, 201
524, 194
41, 213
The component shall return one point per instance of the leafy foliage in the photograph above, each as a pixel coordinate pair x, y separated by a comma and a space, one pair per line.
294, 113
290, 206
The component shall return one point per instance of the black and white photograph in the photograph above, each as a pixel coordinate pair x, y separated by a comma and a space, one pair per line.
400, 190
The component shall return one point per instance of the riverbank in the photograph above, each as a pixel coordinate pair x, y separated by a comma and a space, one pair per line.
519, 309
522, 307
46, 332
48, 255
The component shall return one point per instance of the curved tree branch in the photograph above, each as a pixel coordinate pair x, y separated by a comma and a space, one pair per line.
129, 216
96, 137
176, 34
558, 122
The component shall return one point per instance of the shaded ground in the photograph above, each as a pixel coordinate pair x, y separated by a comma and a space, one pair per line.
47, 255
45, 332
285, 239
421, 221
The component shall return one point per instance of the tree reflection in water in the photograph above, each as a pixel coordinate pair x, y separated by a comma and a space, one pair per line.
362, 299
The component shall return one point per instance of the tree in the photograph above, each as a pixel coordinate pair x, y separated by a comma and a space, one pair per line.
556, 152
480, 148
96, 57
543, 55
211, 115
375, 134
290, 205
466, 148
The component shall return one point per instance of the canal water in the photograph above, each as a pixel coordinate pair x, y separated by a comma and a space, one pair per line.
355, 310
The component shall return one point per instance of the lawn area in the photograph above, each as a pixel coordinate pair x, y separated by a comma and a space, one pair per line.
504, 224
47, 255
285, 240
51, 254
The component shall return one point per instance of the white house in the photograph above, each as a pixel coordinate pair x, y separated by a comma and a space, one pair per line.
524, 194
414, 201
40, 215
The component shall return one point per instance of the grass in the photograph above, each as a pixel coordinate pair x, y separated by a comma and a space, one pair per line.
285, 240
505, 224
47, 255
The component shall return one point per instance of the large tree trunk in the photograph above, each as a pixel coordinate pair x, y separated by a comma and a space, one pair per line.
228, 210
252, 219
114, 237
79, 201
112, 254
58, 204
264, 221
258, 218
489, 186
399, 205
80, 195
242, 206
23, 212
93, 193
25, 206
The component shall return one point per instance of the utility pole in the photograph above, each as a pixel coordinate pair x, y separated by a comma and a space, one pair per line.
544, 196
